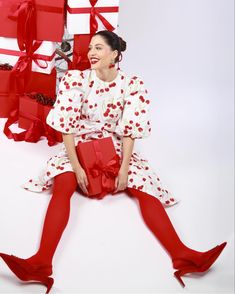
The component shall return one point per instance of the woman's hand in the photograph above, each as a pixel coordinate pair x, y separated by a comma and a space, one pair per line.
82, 179
121, 179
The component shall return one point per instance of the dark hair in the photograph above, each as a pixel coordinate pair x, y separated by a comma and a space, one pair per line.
114, 41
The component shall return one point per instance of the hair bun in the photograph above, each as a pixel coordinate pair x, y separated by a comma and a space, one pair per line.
122, 44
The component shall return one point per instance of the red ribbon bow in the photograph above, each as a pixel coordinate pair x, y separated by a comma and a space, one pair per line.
25, 13
108, 171
95, 12
24, 62
37, 129
22, 69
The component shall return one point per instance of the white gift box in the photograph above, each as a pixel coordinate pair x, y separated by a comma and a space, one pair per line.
43, 57
78, 15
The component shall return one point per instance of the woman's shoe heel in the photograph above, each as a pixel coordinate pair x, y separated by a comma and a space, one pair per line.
26, 272
189, 266
49, 284
177, 275
47, 281
183, 271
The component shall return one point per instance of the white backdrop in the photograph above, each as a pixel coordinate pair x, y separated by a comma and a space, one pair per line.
183, 50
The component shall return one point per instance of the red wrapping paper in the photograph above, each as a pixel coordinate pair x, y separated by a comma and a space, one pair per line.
49, 19
37, 82
29, 110
42, 83
80, 50
7, 103
101, 164
38, 128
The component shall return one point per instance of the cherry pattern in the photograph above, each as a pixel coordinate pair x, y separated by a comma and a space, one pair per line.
90, 108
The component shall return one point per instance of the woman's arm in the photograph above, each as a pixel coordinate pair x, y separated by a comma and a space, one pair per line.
128, 145
70, 147
121, 179
72, 154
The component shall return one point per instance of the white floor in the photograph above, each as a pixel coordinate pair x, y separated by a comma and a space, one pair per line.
106, 247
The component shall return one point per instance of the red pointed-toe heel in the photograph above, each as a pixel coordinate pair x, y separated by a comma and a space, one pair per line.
187, 265
27, 272
193, 260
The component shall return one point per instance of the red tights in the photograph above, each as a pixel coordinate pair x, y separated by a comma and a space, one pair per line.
56, 218
58, 211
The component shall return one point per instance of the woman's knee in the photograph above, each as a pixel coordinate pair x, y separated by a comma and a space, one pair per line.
135, 193
140, 195
65, 183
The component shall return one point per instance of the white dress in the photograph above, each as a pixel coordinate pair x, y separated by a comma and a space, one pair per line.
89, 108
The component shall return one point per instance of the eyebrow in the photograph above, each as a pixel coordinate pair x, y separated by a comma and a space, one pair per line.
97, 44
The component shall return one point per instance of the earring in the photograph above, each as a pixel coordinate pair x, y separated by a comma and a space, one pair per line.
112, 64
119, 60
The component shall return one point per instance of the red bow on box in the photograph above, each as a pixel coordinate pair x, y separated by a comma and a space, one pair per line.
107, 171
25, 60
27, 15
24, 12
22, 68
37, 129
101, 163
96, 12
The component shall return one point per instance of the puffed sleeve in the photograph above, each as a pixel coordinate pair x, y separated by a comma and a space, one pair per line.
135, 121
65, 114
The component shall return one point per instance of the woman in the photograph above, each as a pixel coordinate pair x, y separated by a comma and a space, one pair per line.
96, 103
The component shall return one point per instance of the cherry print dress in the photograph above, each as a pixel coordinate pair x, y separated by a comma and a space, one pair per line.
88, 108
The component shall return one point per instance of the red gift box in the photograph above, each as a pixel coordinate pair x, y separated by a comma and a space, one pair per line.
49, 18
30, 114
7, 102
37, 82
101, 164
30, 110
42, 83
80, 50
39, 58
88, 16
34, 116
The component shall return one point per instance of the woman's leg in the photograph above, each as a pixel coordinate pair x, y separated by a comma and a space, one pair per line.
158, 221
39, 266
56, 218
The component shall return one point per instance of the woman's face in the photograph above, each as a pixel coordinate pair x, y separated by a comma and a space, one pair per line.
100, 54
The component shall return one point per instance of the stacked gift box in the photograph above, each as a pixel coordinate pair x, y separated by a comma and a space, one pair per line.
39, 41
83, 19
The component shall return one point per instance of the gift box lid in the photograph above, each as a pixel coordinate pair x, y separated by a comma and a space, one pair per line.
98, 149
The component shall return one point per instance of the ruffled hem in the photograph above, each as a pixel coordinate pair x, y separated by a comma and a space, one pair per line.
38, 186
164, 196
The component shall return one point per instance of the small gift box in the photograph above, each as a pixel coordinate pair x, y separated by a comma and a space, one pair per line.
40, 82
101, 164
43, 58
48, 15
7, 103
88, 16
80, 50
30, 107
9, 91
31, 115
34, 107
